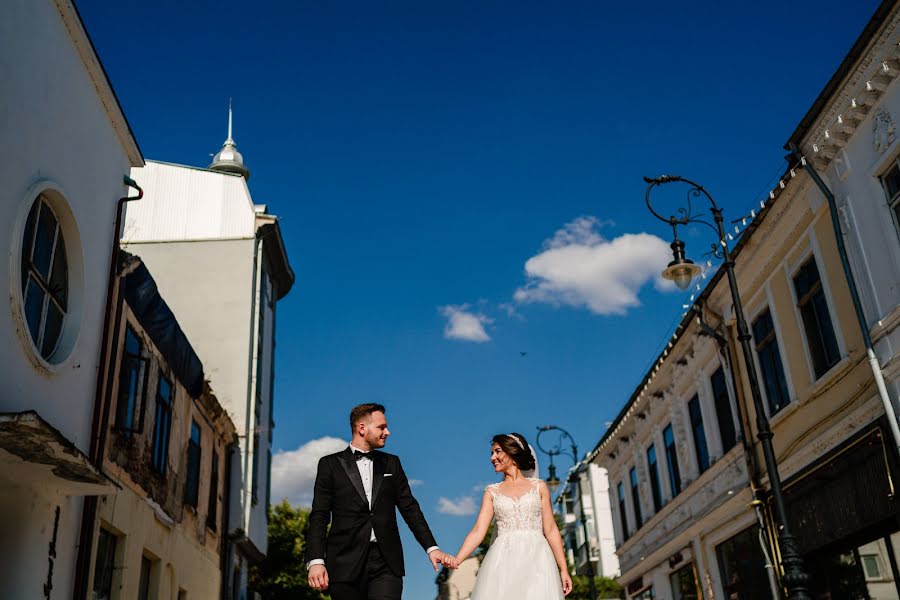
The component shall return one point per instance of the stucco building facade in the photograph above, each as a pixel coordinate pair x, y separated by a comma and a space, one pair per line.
62, 174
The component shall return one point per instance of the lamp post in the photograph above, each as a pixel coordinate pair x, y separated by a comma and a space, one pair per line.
553, 483
681, 271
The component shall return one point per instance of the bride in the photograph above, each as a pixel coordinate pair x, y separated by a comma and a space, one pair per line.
526, 561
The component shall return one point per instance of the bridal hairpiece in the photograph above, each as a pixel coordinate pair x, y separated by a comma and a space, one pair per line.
518, 441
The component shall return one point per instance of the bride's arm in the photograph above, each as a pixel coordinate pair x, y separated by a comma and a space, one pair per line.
551, 532
479, 530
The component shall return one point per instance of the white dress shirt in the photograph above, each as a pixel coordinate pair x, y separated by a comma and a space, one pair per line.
367, 473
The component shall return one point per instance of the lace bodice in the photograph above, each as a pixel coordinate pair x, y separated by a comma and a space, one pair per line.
521, 513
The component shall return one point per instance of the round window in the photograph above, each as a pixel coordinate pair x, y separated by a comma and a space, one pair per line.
45, 277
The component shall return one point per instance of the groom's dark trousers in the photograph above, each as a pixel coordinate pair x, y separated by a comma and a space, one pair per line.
359, 569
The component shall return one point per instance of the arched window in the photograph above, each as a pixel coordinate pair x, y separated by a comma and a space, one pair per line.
45, 277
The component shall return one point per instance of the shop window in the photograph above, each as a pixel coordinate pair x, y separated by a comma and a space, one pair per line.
672, 461
132, 384
620, 489
636, 499
104, 565
742, 566
44, 277
162, 423
653, 468
213, 500
192, 485
820, 337
770, 365
891, 183
684, 585
698, 433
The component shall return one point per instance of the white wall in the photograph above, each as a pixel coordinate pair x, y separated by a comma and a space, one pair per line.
57, 135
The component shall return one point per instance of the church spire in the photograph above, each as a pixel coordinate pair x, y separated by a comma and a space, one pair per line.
228, 159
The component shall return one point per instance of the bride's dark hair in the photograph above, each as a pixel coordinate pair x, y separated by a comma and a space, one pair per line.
516, 446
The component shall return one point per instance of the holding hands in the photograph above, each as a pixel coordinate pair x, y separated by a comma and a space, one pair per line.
437, 557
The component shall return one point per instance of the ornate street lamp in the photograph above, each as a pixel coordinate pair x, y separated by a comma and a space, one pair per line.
553, 483
681, 270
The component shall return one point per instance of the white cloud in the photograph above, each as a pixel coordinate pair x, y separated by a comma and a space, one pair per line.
416, 482
460, 507
294, 471
464, 324
579, 267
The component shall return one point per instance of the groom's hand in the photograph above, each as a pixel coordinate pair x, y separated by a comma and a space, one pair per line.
318, 578
437, 558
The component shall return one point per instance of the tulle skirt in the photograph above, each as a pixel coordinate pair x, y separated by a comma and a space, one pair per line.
518, 566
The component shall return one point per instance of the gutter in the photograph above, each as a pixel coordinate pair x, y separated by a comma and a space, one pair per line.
857, 304
102, 393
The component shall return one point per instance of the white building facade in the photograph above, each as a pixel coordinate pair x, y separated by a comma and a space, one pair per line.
591, 495
68, 148
200, 233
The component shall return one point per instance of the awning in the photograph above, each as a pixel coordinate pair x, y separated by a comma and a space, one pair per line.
34, 453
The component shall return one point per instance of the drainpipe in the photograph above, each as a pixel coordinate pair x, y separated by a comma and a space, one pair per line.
102, 391
226, 548
857, 304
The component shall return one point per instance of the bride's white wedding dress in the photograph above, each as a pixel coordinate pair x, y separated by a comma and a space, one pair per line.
519, 564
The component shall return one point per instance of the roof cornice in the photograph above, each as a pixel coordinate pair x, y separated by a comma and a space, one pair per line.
854, 89
91, 60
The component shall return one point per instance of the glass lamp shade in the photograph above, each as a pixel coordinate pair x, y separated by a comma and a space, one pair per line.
552, 483
681, 273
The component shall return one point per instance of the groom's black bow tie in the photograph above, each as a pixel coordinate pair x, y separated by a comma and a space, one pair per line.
360, 455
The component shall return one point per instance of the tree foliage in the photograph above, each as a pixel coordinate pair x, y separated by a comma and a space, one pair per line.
282, 576
606, 588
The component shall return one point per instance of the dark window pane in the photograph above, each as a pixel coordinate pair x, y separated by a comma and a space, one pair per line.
816, 318
636, 499
622, 515
684, 585
144, 582
34, 309
44, 239
129, 382
28, 240
213, 500
653, 468
698, 433
672, 460
104, 565
59, 277
892, 181
723, 409
771, 367
192, 485
52, 328
162, 424
742, 566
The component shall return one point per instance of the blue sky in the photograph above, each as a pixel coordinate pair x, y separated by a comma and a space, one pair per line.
420, 153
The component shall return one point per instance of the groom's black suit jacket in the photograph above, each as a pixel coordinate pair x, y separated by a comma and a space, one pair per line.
339, 494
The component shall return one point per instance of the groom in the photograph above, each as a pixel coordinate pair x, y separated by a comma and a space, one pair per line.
359, 489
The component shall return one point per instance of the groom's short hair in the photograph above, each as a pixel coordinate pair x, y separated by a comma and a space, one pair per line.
361, 411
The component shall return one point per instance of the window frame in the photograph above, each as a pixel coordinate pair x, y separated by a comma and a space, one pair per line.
212, 500
106, 577
729, 402
193, 466
143, 378
806, 302
623, 510
635, 485
893, 202
29, 272
702, 439
676, 484
160, 447
773, 342
653, 475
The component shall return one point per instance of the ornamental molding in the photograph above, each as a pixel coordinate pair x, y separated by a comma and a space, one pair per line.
860, 92
685, 510
883, 127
